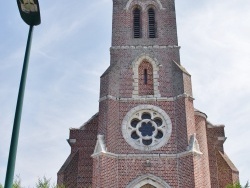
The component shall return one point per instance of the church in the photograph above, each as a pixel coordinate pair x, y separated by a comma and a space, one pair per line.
147, 133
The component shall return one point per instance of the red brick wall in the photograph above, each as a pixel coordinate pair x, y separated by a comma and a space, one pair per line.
213, 145
224, 171
186, 172
228, 174
78, 171
202, 171
122, 29
117, 144
68, 176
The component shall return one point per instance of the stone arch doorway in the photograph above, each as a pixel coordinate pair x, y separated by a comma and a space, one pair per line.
148, 181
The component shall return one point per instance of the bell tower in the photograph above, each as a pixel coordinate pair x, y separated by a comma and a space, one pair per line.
147, 133
146, 116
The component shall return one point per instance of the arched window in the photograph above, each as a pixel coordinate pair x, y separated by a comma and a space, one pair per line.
151, 23
146, 81
137, 23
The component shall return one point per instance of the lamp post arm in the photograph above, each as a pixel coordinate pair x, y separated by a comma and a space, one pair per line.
16, 126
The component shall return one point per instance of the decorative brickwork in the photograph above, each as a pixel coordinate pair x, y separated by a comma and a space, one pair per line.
147, 133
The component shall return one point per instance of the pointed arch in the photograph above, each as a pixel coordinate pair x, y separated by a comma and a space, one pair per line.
140, 64
130, 2
137, 22
148, 179
151, 23
145, 79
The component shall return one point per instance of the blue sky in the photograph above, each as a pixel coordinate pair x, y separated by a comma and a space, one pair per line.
70, 51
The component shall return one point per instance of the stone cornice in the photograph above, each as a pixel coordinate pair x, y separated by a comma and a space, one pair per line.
138, 156
145, 98
144, 47
201, 114
192, 149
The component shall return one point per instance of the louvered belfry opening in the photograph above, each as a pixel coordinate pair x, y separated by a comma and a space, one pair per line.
151, 23
137, 23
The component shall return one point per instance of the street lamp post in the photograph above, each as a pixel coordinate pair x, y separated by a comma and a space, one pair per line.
30, 13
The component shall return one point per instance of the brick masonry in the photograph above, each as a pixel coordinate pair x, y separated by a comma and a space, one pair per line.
192, 156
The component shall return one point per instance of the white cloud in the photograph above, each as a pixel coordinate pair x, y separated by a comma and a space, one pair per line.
216, 53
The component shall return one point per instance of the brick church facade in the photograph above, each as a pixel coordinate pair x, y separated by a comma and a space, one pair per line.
147, 133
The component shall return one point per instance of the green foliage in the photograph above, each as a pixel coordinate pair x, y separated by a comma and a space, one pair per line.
43, 183
17, 182
237, 185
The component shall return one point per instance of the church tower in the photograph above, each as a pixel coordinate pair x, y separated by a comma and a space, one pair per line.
147, 133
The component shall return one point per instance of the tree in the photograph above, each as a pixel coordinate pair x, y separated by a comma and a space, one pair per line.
17, 182
43, 183
237, 185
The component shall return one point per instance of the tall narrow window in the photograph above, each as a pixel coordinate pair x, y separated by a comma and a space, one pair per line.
145, 79
137, 23
145, 76
151, 23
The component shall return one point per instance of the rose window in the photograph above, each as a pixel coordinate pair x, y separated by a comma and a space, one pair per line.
146, 129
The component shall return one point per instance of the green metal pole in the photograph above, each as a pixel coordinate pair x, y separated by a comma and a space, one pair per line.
16, 126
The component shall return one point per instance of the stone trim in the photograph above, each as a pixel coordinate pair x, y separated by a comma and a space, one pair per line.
130, 1
71, 141
210, 125
100, 145
201, 114
143, 47
146, 98
82, 127
181, 68
166, 127
223, 139
143, 156
148, 179
194, 145
135, 66
192, 149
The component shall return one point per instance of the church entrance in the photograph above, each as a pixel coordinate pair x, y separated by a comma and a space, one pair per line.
148, 181
148, 186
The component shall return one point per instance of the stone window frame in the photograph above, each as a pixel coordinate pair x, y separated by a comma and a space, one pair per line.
156, 3
135, 65
142, 108
148, 179
145, 79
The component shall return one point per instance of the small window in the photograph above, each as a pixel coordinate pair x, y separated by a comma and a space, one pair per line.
145, 76
145, 79
151, 23
137, 23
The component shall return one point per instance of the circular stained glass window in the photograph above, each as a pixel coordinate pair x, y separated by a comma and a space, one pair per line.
146, 127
